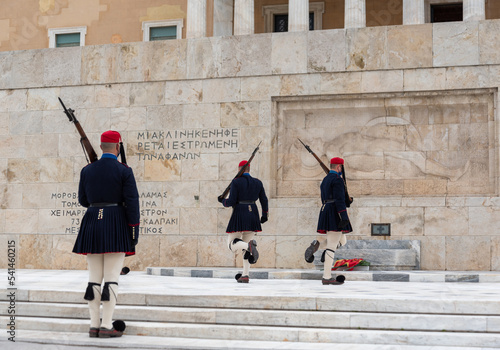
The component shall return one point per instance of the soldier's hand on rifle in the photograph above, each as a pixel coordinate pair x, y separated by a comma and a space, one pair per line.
134, 234
343, 224
263, 218
220, 199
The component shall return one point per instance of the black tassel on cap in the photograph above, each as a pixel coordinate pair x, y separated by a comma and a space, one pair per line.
89, 292
105, 291
122, 153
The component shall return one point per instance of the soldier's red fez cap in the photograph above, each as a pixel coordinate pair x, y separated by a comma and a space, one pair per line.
243, 163
336, 160
110, 136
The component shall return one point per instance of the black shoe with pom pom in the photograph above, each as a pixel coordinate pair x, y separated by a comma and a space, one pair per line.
337, 280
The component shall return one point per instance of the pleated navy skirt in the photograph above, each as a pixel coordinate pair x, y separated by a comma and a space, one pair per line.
104, 230
329, 220
245, 217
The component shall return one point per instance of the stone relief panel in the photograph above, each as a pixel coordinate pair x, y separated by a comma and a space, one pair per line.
408, 144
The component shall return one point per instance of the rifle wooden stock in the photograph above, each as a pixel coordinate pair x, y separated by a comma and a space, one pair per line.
87, 147
323, 166
348, 199
241, 171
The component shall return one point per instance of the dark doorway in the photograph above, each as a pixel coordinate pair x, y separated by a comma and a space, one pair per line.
447, 13
281, 22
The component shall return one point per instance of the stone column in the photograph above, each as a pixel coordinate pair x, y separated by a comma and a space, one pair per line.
196, 26
413, 12
243, 17
474, 10
355, 14
298, 15
223, 17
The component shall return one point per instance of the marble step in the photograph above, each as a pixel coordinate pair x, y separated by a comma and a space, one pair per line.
285, 318
408, 302
47, 340
273, 334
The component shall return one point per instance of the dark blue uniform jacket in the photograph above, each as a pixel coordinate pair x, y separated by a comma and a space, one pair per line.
106, 229
245, 216
333, 207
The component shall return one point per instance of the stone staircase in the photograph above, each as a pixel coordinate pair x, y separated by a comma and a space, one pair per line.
193, 321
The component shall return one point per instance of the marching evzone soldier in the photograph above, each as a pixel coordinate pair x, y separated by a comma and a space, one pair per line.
244, 221
333, 221
109, 231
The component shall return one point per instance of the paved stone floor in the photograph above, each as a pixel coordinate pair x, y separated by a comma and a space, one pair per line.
443, 293
140, 282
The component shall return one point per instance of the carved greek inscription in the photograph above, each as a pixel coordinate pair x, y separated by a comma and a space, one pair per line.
154, 218
67, 206
186, 144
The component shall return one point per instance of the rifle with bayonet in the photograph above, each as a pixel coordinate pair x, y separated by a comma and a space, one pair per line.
88, 150
348, 199
240, 172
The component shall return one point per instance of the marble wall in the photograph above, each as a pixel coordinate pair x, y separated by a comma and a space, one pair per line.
413, 109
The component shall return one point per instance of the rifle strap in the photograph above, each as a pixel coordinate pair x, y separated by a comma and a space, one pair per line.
84, 152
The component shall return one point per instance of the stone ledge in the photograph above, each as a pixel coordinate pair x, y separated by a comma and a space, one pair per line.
375, 276
383, 255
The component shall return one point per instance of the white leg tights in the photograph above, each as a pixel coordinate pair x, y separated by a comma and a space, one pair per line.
113, 264
95, 263
330, 244
105, 267
241, 246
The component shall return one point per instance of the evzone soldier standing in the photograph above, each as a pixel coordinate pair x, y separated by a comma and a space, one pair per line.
109, 231
244, 221
333, 221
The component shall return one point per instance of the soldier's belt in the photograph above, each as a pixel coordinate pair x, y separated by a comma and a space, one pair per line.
103, 205
246, 202
329, 201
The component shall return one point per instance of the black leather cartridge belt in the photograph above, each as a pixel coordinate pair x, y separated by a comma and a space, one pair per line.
329, 201
246, 202
103, 205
